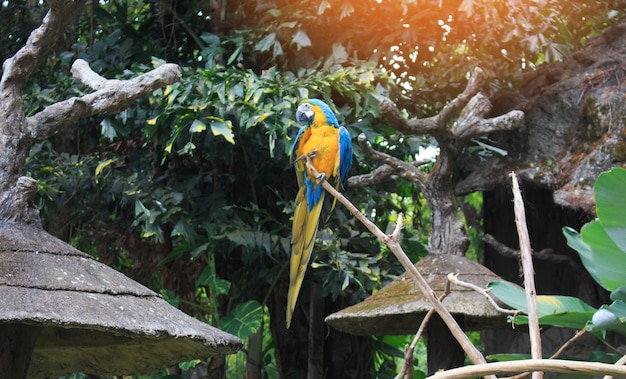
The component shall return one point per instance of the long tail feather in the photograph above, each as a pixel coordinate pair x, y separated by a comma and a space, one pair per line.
305, 224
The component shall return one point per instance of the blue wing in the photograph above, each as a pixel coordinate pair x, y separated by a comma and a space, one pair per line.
299, 166
345, 155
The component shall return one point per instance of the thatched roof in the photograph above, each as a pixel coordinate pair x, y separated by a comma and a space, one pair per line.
90, 317
400, 307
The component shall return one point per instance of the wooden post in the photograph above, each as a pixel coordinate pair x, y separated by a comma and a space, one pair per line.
17, 343
316, 334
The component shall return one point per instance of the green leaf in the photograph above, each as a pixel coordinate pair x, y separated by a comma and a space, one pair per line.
575, 241
108, 130
245, 319
257, 119
141, 209
301, 39
610, 191
234, 55
101, 166
278, 50
574, 320
619, 294
184, 229
340, 54
199, 250
209, 279
323, 6
607, 259
564, 311
189, 365
395, 341
303, 92
170, 297
197, 126
224, 129
187, 149
266, 42
601, 244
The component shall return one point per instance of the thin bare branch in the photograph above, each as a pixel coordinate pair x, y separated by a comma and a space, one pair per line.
568, 343
539, 365
398, 229
454, 279
529, 273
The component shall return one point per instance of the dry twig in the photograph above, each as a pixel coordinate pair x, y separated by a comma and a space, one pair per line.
529, 273
454, 278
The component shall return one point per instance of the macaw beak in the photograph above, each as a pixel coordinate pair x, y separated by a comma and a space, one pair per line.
304, 114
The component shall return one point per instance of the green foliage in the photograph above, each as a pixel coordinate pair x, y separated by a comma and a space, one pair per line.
563, 311
389, 356
601, 246
245, 319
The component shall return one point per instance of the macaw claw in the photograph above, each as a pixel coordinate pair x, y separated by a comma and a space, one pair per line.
320, 177
312, 154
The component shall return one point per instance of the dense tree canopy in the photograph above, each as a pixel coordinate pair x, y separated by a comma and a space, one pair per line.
190, 191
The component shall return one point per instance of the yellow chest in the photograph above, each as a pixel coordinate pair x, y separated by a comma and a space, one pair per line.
324, 139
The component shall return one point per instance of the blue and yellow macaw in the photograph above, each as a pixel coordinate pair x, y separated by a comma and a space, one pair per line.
330, 149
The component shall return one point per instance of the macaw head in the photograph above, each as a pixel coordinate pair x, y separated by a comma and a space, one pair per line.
315, 111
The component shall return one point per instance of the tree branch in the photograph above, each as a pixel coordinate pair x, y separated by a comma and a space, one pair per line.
544, 365
529, 274
18, 68
620, 362
472, 123
471, 107
112, 96
450, 110
403, 169
16, 204
396, 120
436, 124
382, 174
454, 279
